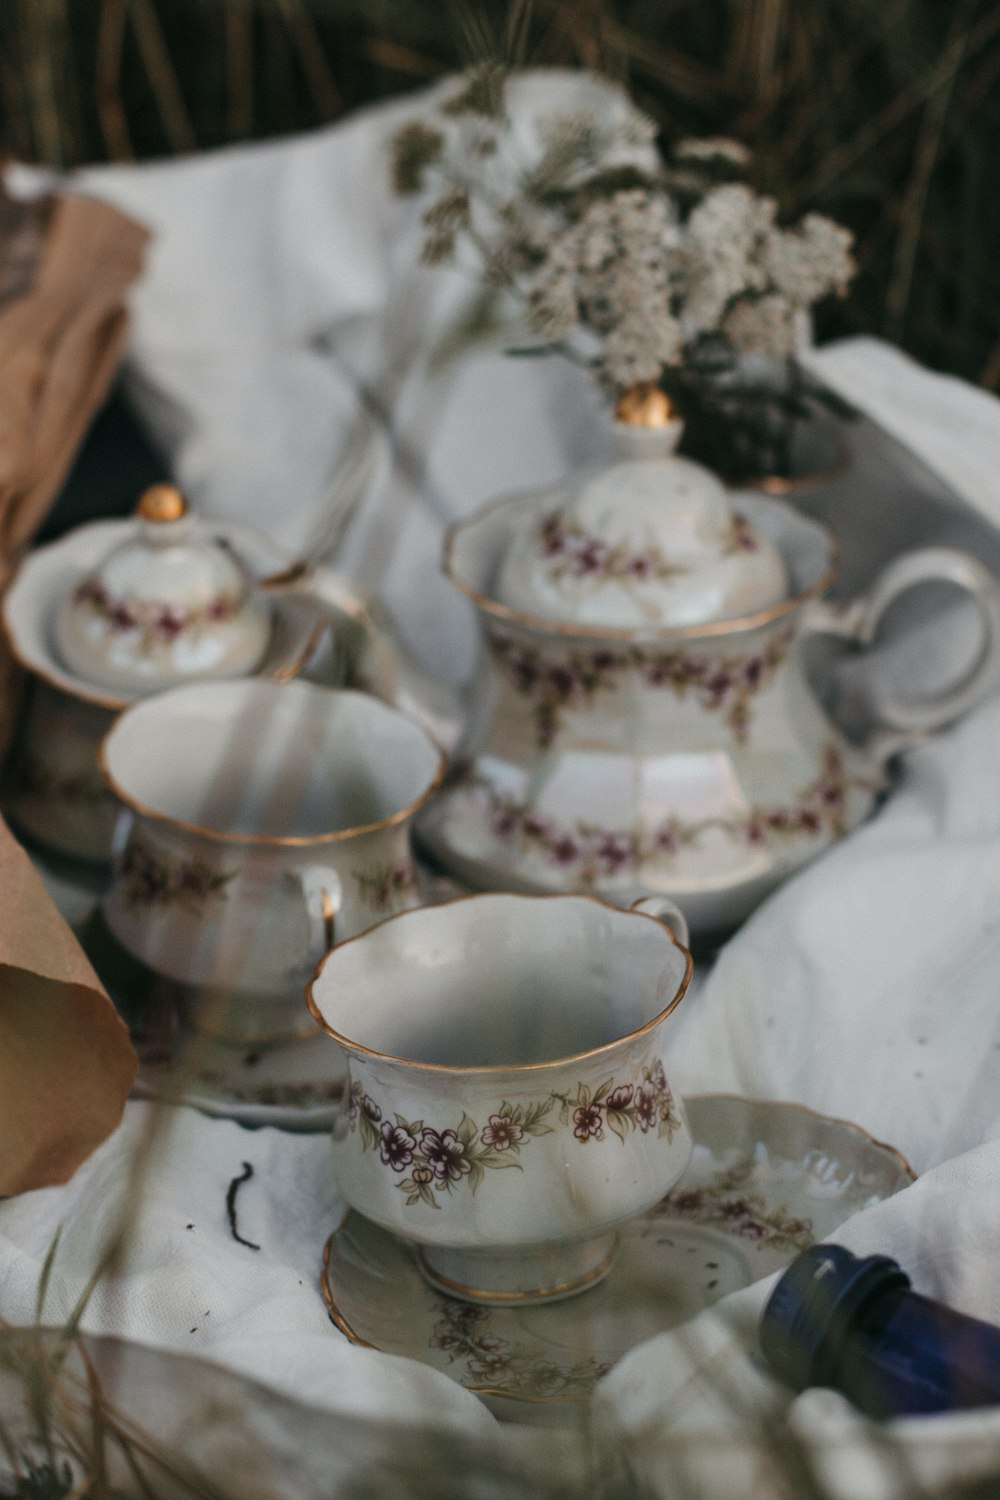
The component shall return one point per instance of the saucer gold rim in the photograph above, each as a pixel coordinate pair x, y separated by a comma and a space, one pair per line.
578, 1400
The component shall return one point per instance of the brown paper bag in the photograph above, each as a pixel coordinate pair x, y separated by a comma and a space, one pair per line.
66, 1062
66, 265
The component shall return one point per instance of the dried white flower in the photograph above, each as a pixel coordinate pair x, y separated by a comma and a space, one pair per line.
623, 272
722, 239
712, 148
613, 265
809, 261
768, 325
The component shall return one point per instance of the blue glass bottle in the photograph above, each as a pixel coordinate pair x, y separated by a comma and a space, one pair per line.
854, 1324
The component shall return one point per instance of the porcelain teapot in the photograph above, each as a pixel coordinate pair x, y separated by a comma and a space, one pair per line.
684, 753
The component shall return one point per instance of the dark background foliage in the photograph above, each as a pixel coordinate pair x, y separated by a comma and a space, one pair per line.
882, 113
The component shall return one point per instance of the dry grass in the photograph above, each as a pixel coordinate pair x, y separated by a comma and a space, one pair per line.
882, 113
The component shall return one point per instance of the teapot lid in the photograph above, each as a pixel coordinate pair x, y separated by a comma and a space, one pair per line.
167, 605
649, 540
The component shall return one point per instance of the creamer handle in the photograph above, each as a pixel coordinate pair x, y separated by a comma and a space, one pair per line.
667, 912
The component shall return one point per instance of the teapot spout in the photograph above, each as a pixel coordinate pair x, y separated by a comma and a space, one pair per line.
370, 653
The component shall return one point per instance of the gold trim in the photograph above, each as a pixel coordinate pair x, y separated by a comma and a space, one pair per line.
84, 693
636, 634
160, 503
92, 696
802, 484
289, 670
815, 1114
480, 1068
269, 840
509, 1299
333, 1311
286, 577
338, 1318
645, 405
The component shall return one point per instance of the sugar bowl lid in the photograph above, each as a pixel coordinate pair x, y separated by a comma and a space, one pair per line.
650, 540
167, 605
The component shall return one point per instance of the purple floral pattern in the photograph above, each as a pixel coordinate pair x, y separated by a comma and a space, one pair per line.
555, 684
437, 1161
467, 1334
725, 1203
570, 552
622, 1108
386, 886
158, 623
590, 854
151, 878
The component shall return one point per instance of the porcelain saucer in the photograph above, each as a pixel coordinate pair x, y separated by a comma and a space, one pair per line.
765, 1180
51, 573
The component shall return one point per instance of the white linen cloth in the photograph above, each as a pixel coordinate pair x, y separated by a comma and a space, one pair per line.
866, 987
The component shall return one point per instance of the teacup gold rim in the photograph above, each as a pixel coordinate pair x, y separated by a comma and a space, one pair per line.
814, 1114
735, 625
272, 840
485, 1069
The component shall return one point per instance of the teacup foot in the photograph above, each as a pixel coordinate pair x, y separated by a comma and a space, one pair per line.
498, 1278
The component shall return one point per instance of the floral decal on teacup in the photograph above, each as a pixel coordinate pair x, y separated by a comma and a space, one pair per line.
440, 1160
555, 683
152, 878
386, 885
158, 622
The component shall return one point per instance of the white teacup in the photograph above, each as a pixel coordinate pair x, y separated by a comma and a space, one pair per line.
508, 1103
267, 821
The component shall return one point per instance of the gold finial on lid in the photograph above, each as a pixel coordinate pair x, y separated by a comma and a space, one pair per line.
644, 405
161, 502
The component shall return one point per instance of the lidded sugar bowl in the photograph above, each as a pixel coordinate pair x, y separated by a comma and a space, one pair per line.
165, 605
643, 720
118, 609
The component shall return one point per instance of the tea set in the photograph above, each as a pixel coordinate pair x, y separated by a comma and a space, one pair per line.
642, 757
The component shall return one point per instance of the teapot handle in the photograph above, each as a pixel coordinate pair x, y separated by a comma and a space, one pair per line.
667, 912
904, 720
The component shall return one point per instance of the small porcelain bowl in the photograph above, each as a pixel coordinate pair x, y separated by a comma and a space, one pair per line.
508, 1104
53, 789
171, 603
